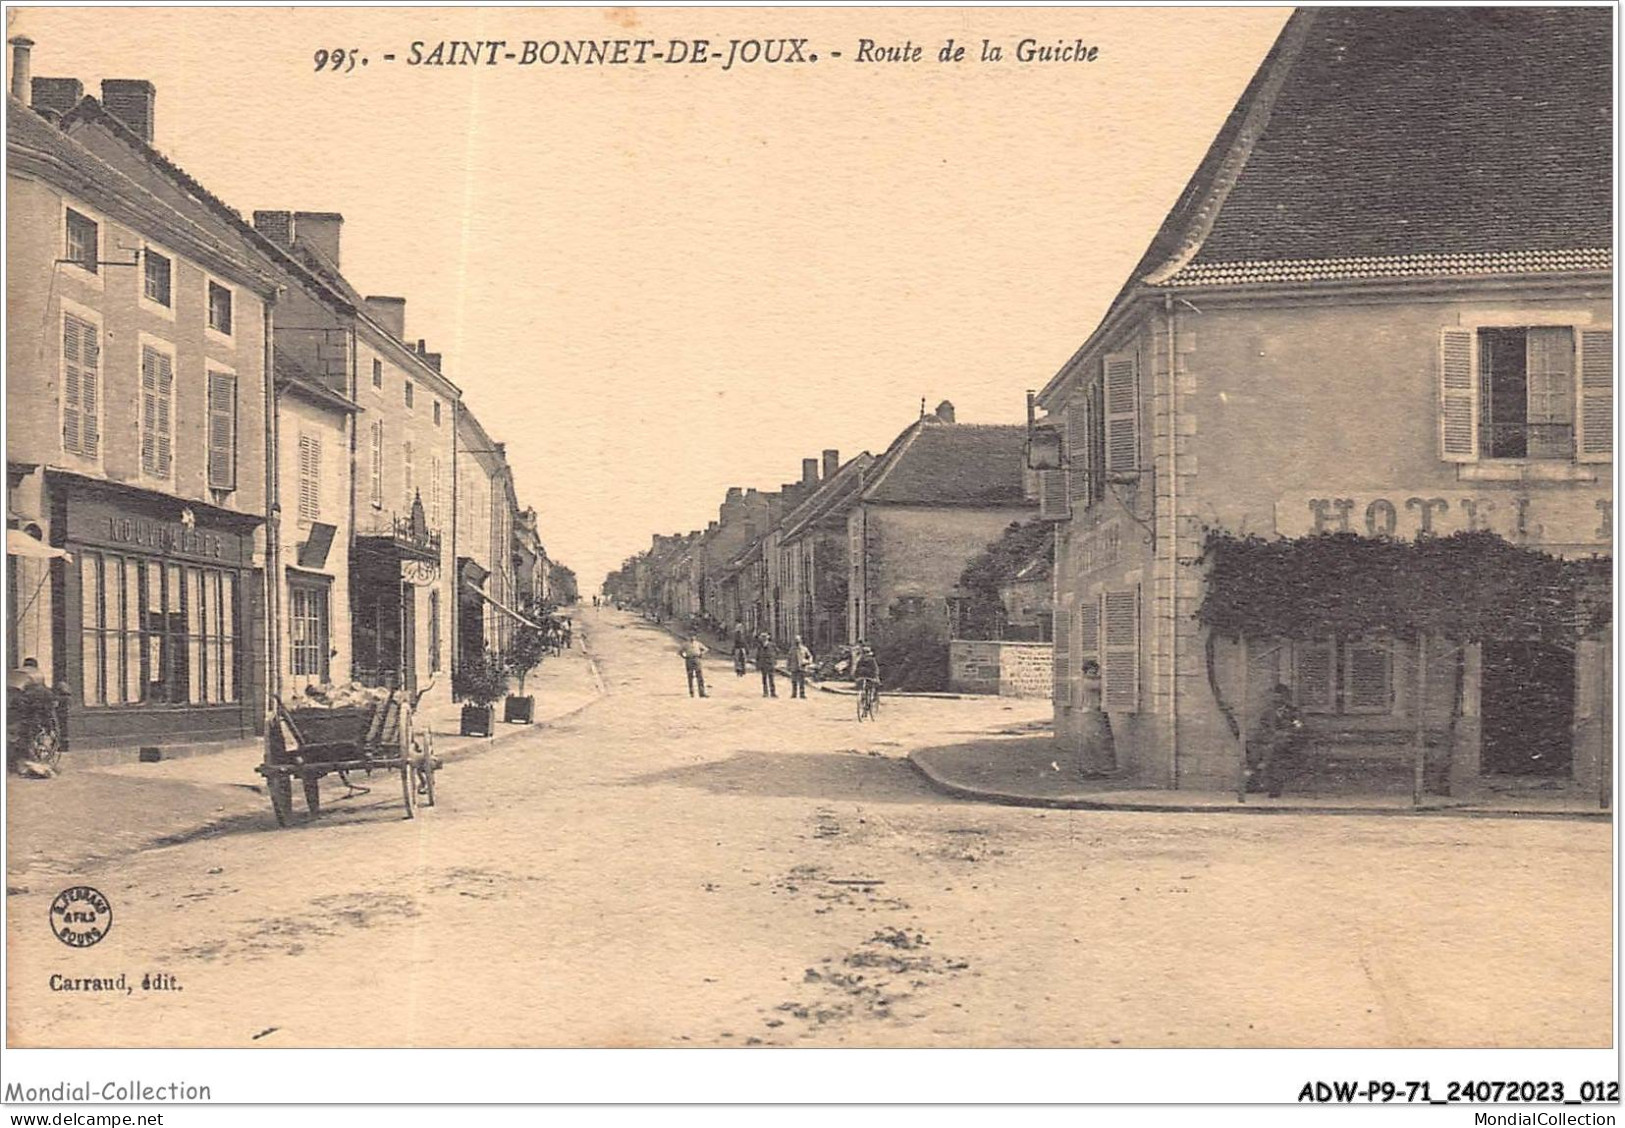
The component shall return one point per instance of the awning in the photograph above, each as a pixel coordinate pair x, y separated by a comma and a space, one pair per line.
503, 607
19, 543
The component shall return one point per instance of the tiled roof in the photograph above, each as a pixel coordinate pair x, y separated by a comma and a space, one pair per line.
962, 464
831, 496
1462, 140
1392, 266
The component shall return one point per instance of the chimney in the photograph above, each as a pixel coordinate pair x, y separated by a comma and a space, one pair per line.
945, 411
131, 101
433, 360
21, 66
809, 471
832, 463
390, 313
735, 493
320, 231
276, 226
56, 95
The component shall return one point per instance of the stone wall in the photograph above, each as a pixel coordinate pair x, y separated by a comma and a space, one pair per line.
1009, 669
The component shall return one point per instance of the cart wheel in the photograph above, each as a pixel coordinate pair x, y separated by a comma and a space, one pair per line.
313, 793
409, 790
281, 789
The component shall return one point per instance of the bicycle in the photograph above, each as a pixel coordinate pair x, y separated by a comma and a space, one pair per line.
868, 699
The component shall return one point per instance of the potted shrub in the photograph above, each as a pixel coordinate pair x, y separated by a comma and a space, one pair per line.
479, 682
525, 649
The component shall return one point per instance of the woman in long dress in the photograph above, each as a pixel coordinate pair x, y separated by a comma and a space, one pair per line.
1099, 751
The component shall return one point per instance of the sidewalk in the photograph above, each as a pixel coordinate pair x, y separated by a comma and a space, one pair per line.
92, 814
1026, 772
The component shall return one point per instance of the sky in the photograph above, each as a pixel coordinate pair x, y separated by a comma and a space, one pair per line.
656, 282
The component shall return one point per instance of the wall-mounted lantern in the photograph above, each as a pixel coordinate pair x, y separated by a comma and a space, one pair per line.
1046, 448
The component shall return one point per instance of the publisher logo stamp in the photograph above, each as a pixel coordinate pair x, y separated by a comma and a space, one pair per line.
80, 916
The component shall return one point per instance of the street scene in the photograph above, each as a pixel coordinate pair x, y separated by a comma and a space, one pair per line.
660, 870
874, 577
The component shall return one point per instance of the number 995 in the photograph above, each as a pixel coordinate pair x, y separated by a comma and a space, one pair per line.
338, 59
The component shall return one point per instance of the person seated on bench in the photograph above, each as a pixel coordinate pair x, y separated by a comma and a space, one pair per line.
1276, 749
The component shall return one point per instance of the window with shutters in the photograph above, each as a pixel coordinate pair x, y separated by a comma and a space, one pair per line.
222, 431
81, 386
220, 311
1062, 692
376, 490
310, 478
1088, 450
157, 411
156, 279
82, 245
1346, 676
1120, 396
1086, 642
1533, 393
1120, 649
407, 483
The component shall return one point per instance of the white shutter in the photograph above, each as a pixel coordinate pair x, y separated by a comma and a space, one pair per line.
310, 477
1122, 396
74, 340
1077, 446
1594, 397
1458, 395
378, 463
149, 409
1052, 496
1062, 615
1313, 670
1120, 639
90, 389
406, 476
166, 413
222, 431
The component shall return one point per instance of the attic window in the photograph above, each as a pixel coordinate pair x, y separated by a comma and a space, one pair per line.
156, 272
82, 242
220, 308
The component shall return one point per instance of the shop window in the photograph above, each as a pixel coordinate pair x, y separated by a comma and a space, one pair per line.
1349, 676
310, 478
155, 633
157, 410
81, 386
1541, 393
308, 629
83, 247
156, 270
220, 308
222, 431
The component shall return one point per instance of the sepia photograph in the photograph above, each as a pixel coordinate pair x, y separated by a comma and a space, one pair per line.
1063, 529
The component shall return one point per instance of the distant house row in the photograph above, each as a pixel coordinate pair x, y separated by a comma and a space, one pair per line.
851, 550
229, 474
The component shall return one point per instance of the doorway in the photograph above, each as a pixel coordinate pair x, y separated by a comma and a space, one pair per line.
1527, 702
409, 638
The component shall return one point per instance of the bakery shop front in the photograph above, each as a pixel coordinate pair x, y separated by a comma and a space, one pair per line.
155, 636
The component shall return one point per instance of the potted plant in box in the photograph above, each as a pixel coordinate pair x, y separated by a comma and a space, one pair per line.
479, 682
525, 648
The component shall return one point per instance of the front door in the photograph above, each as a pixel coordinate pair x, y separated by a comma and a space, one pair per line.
1527, 697
409, 638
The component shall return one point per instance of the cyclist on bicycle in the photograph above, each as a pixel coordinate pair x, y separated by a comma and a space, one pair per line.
866, 671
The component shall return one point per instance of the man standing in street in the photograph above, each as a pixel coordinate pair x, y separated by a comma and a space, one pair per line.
800, 660
692, 651
739, 649
766, 656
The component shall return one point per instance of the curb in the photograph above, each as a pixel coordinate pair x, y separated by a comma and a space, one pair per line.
1066, 803
923, 696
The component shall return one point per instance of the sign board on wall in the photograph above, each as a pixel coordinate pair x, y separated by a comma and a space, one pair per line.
1533, 517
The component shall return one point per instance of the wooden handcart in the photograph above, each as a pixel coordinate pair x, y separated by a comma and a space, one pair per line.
309, 743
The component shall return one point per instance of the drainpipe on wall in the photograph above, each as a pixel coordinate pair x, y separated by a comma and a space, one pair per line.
273, 518
353, 427
454, 589
1173, 545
